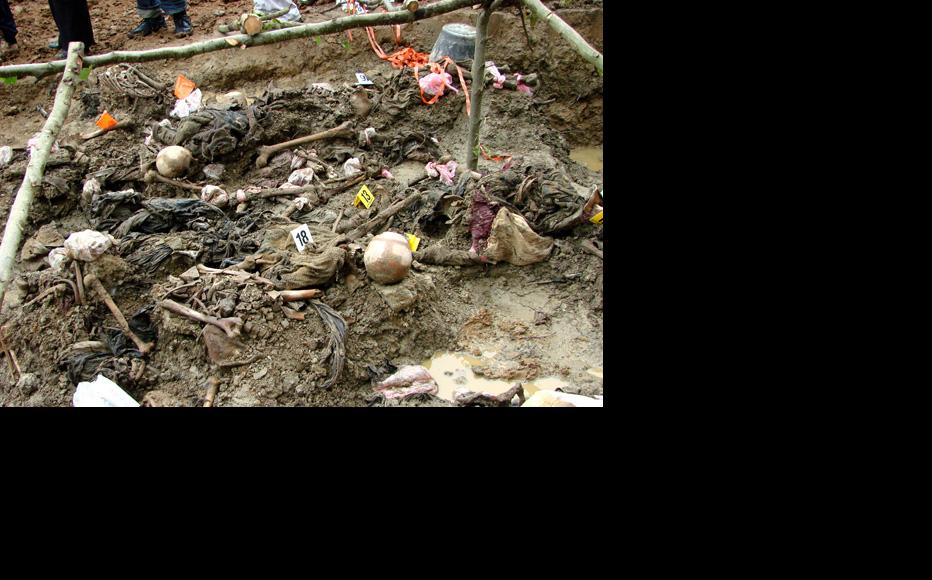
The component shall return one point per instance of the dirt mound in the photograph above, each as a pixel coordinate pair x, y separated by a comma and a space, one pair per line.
232, 260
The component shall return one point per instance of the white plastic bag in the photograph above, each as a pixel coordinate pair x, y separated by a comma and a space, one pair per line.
561, 399
187, 105
352, 167
214, 195
6, 155
88, 245
270, 6
102, 392
58, 258
301, 177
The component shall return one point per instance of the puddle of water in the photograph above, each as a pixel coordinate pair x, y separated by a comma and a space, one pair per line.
591, 157
454, 371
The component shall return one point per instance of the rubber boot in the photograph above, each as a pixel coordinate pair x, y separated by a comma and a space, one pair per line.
182, 24
148, 26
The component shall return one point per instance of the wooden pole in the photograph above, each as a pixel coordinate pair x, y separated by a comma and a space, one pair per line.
13, 234
305, 30
566, 31
478, 86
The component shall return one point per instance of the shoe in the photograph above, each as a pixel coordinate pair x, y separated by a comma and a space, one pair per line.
63, 54
182, 24
148, 26
54, 44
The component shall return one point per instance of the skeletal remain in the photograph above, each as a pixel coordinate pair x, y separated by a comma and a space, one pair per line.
14, 363
231, 326
80, 281
125, 124
89, 346
212, 388
138, 367
241, 274
590, 247
295, 295
292, 314
54, 289
239, 363
383, 216
344, 130
153, 176
91, 281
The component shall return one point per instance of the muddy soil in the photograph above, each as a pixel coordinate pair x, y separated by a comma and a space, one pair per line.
536, 322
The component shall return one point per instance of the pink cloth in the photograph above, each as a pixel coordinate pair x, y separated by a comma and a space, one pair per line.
446, 172
499, 79
435, 83
496, 75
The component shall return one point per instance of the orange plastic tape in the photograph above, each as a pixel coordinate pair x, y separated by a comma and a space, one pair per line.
492, 157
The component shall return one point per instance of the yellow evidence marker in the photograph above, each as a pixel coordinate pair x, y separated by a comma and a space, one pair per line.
365, 196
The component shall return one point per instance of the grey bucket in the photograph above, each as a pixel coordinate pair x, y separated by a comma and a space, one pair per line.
458, 41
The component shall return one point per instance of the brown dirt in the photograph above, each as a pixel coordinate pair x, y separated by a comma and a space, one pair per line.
542, 320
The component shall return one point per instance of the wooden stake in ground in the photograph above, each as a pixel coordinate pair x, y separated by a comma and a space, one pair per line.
566, 31
35, 170
478, 88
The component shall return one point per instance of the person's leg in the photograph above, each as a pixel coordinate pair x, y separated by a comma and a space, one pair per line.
152, 18
81, 25
7, 24
148, 8
174, 6
74, 23
178, 10
56, 43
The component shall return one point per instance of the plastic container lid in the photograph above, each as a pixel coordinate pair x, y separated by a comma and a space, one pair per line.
457, 40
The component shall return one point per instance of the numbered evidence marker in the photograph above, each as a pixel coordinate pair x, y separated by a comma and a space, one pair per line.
362, 79
302, 237
597, 218
365, 196
413, 241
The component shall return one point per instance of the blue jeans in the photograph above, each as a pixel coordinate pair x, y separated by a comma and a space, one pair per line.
153, 8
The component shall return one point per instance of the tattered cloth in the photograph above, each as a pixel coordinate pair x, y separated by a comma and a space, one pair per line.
209, 133
542, 195
279, 261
